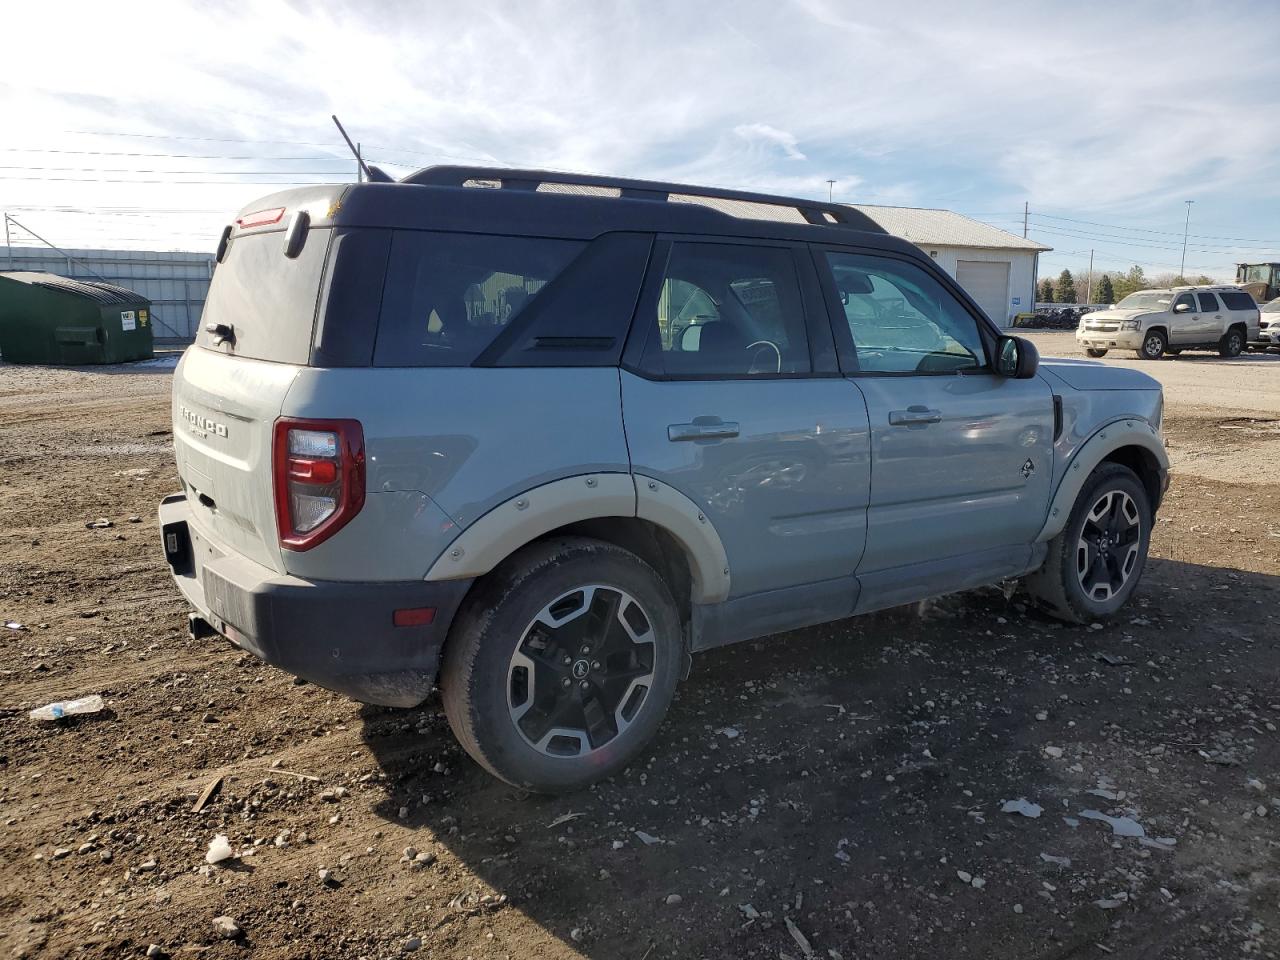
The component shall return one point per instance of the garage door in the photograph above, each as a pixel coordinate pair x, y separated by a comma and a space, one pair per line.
988, 283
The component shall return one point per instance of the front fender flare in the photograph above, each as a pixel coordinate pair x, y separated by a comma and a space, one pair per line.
1129, 432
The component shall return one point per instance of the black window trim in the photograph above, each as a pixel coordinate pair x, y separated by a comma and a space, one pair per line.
640, 358
846, 349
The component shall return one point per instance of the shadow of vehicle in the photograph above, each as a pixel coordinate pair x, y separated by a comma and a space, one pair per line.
845, 779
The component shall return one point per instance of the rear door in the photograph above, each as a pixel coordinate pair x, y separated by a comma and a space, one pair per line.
255, 335
961, 457
736, 401
1210, 325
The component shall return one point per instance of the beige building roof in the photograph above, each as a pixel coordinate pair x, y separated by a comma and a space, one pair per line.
944, 228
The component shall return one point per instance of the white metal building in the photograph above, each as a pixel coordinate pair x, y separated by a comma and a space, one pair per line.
997, 268
176, 282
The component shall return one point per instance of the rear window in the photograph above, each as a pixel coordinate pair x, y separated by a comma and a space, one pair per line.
1238, 301
1208, 303
263, 299
448, 295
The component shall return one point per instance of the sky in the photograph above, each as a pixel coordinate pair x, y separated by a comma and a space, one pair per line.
146, 126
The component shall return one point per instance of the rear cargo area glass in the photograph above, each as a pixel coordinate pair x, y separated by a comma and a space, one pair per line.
267, 301
448, 295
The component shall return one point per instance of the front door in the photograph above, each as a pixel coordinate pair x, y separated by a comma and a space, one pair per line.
1185, 326
961, 457
733, 405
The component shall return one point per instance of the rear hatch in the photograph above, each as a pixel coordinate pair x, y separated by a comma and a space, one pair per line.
255, 335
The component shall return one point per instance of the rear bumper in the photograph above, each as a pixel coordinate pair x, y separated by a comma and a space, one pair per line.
337, 634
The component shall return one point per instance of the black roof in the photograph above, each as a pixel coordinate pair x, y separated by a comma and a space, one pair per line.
572, 206
95, 290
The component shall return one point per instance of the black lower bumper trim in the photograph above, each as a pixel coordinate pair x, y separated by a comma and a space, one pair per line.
336, 634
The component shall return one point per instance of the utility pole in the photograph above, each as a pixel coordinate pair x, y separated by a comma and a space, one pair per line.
1182, 272
831, 188
8, 247
1088, 286
359, 165
1026, 211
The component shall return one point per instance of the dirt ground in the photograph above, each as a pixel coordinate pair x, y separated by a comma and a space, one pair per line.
835, 792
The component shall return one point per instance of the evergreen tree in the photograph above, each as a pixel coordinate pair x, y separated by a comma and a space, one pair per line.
1106, 293
1045, 294
1066, 289
1130, 282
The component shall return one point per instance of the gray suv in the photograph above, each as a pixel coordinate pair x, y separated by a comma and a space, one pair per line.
538, 438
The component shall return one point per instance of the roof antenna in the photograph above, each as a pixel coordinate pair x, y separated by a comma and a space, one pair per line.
372, 174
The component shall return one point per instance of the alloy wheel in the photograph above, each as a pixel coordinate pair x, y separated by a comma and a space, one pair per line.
581, 671
1108, 548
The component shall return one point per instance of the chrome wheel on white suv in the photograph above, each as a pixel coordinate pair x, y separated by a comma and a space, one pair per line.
1154, 343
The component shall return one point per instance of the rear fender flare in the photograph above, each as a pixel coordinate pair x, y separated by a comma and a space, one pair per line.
532, 514
1130, 432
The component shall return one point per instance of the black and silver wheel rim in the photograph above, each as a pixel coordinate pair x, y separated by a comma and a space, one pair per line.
1153, 346
582, 671
1235, 344
1109, 544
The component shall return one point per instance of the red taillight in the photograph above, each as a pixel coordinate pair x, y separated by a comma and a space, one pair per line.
318, 473
260, 218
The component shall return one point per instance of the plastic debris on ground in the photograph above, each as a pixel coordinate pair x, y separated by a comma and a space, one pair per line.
219, 849
1120, 826
1022, 806
68, 708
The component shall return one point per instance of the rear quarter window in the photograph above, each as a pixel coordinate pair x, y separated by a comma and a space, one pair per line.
1239, 301
448, 296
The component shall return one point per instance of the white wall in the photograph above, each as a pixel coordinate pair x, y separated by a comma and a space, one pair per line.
1022, 273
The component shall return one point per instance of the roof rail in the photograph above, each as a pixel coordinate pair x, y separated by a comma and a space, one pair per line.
813, 211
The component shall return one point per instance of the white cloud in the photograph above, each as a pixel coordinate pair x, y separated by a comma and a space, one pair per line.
1108, 109
762, 131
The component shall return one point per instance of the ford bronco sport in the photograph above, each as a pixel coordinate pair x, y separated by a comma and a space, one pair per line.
1155, 323
537, 438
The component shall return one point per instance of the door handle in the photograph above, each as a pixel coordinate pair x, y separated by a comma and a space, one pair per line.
723, 430
913, 416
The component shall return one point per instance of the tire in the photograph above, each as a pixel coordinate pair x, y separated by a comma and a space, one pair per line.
1232, 343
1075, 595
505, 685
1090, 352
1154, 344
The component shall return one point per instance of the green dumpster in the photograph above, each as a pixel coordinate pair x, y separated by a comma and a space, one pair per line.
45, 318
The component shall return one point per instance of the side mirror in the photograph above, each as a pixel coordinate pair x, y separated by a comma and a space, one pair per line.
1017, 358
1182, 308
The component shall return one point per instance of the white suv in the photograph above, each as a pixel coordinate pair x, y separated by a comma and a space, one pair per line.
1156, 322
1268, 326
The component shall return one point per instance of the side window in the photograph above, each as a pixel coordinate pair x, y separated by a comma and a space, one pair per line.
729, 310
448, 295
901, 319
1208, 303
1239, 301
1185, 299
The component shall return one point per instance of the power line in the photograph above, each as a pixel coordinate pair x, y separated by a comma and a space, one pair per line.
1170, 233
217, 173
232, 183
176, 156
